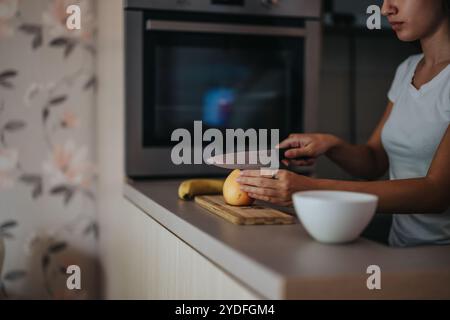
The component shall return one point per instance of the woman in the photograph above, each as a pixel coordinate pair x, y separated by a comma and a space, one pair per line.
412, 139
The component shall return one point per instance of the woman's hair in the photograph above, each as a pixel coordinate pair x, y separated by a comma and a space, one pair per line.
447, 7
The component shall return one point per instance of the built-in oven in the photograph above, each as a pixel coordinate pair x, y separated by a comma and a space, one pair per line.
231, 64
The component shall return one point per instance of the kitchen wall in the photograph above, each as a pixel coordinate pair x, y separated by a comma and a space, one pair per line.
47, 149
355, 8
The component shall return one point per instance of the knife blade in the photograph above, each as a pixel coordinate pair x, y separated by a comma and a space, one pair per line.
249, 160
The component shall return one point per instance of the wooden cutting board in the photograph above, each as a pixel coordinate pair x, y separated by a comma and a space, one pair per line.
251, 215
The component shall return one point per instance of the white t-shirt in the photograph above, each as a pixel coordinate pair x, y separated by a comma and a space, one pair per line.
411, 136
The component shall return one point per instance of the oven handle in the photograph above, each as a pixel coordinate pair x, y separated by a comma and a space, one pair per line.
178, 26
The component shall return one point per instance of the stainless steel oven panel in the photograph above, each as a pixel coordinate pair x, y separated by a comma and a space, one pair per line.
218, 28
286, 8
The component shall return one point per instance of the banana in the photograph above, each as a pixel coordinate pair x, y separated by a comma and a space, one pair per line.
195, 187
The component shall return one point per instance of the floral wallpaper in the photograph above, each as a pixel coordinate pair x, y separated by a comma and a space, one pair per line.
47, 145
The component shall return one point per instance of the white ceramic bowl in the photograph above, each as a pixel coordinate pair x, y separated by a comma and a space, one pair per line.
334, 216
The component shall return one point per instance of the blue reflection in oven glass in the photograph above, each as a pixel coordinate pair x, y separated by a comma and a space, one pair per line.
218, 106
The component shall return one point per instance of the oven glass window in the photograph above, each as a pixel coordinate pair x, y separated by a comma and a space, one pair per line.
226, 81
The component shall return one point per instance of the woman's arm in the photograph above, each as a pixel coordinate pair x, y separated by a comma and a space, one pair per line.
367, 161
430, 194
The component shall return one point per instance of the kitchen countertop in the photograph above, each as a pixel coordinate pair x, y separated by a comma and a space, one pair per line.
283, 262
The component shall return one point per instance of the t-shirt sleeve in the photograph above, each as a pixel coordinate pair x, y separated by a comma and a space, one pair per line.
446, 100
442, 94
399, 81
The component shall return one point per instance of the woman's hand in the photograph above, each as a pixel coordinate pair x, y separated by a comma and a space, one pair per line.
307, 146
277, 190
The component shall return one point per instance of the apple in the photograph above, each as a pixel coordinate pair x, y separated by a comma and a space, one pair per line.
232, 192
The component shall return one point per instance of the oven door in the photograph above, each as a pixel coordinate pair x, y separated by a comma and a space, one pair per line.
226, 75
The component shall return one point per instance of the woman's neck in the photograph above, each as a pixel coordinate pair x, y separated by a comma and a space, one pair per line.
436, 46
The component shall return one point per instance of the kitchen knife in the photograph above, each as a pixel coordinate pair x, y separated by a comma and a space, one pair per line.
251, 159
